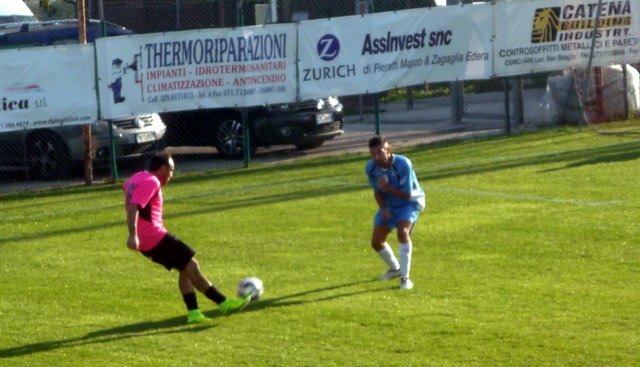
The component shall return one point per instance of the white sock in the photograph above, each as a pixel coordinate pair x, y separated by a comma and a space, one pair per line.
386, 254
405, 259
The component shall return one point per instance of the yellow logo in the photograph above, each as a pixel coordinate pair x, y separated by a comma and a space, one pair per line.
546, 22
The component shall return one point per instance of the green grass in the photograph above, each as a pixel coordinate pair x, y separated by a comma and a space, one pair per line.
527, 255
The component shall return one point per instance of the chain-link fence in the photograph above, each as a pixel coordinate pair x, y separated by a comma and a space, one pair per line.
167, 15
56, 154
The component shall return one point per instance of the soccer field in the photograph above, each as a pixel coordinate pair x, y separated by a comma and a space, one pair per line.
526, 255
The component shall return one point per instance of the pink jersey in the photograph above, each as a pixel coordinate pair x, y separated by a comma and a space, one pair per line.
143, 189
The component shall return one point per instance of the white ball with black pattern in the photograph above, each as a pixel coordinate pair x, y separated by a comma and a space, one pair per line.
251, 286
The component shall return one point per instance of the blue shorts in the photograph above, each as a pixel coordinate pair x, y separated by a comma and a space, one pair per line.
408, 212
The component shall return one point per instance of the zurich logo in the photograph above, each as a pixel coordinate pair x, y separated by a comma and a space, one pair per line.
328, 47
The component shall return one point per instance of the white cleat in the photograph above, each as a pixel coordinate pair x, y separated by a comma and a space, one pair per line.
390, 274
406, 283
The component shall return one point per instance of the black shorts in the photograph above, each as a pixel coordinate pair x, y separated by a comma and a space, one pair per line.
171, 253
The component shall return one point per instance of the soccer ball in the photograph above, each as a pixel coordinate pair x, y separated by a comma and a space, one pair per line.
250, 286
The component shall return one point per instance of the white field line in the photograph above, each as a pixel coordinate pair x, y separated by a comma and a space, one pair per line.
501, 195
325, 182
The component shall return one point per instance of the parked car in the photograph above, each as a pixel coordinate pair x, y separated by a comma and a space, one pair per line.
306, 125
51, 153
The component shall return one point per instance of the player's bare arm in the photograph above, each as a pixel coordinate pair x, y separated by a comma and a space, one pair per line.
132, 223
384, 185
382, 204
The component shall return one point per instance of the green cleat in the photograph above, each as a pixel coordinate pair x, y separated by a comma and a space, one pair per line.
231, 305
195, 316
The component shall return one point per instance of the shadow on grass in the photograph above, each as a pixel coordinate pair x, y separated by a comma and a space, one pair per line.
328, 293
571, 158
609, 156
173, 325
177, 325
201, 208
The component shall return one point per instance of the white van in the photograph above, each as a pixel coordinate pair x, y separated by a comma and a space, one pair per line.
52, 153
15, 11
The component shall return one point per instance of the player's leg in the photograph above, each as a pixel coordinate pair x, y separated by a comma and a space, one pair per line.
190, 300
193, 276
226, 304
405, 247
382, 248
176, 254
172, 253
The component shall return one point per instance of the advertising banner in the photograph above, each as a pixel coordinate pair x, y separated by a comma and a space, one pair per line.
381, 51
548, 35
187, 70
47, 86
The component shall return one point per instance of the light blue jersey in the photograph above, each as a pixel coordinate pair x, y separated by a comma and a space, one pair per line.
401, 176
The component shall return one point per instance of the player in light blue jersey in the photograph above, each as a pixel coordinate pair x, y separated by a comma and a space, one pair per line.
400, 200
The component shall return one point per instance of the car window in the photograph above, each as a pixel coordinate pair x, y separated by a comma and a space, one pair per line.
16, 19
13, 11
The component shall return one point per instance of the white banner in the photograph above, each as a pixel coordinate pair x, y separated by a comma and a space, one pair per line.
548, 35
47, 86
377, 52
207, 68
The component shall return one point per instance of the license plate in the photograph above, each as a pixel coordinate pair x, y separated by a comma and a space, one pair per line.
323, 118
146, 136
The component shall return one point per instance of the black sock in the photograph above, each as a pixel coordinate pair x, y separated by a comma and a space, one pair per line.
191, 301
213, 294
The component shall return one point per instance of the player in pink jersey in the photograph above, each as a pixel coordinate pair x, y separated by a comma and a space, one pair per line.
147, 234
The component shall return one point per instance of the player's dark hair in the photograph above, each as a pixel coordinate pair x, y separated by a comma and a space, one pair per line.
377, 141
158, 160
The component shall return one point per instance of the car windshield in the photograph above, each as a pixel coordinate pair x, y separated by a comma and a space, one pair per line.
15, 11
16, 18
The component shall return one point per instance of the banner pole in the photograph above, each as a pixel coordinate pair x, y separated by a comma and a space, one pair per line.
86, 129
585, 91
112, 144
246, 138
376, 106
507, 107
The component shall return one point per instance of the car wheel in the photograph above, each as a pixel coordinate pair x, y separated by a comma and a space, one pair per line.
48, 157
230, 139
310, 144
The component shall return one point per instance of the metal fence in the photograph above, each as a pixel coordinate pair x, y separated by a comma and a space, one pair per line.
47, 155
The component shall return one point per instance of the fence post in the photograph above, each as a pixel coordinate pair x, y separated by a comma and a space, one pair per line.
518, 100
246, 138
507, 105
112, 144
410, 98
376, 107
177, 14
585, 92
457, 104
625, 91
239, 13
86, 129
